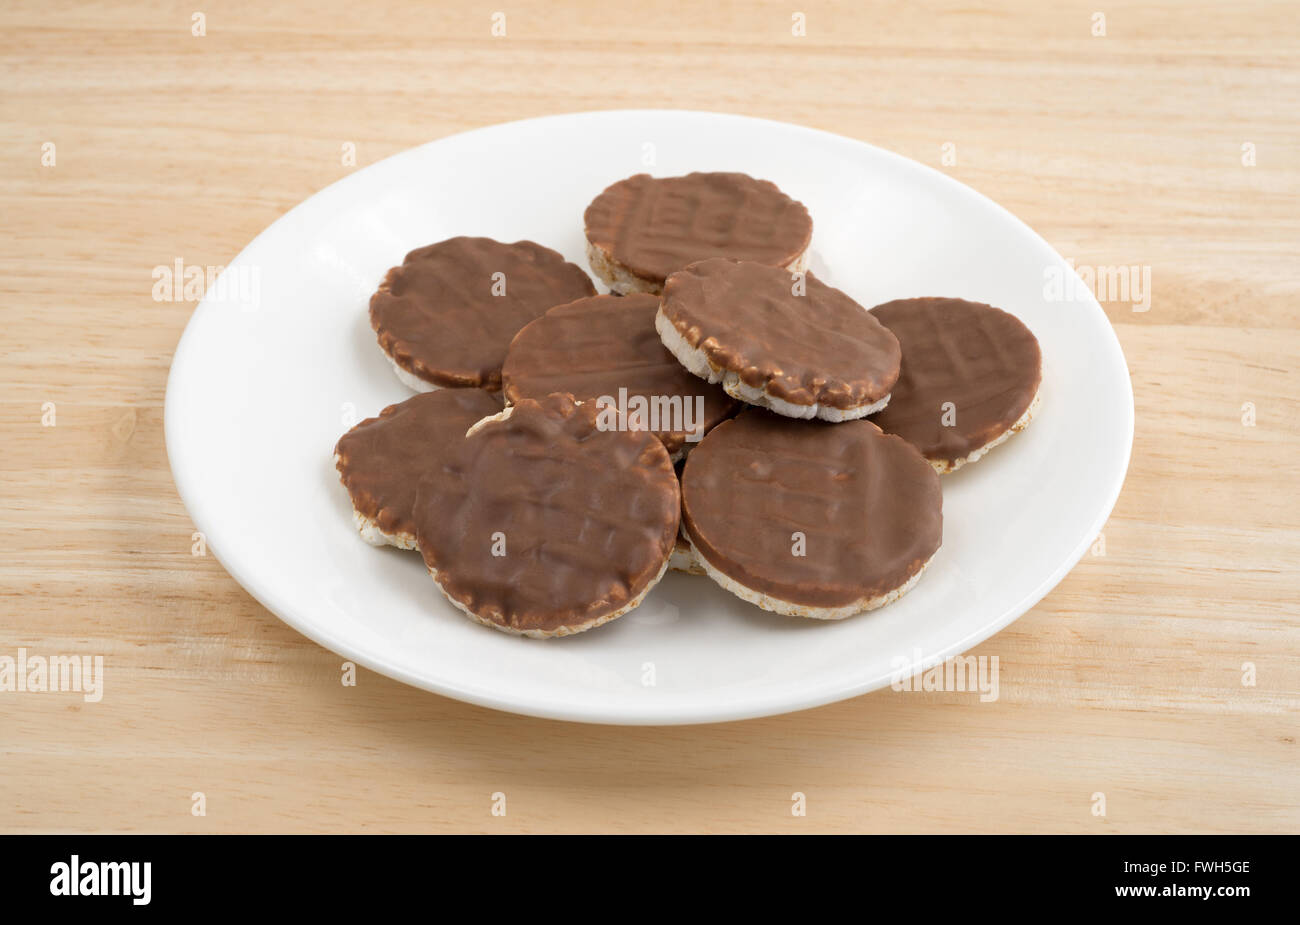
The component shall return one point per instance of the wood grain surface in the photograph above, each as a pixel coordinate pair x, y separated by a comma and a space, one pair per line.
1171, 142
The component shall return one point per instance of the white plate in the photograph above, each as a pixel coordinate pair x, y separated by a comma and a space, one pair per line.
267, 371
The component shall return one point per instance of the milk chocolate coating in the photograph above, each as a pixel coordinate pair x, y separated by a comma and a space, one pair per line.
437, 317
983, 360
817, 348
382, 459
655, 227
588, 517
593, 347
868, 505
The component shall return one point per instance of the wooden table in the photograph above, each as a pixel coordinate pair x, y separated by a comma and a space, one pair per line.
1171, 142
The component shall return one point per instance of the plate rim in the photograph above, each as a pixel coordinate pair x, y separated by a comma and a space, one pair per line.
750, 708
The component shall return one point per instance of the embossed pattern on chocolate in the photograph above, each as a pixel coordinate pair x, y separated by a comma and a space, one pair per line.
811, 513
447, 314
969, 374
655, 226
818, 347
595, 347
382, 459
546, 525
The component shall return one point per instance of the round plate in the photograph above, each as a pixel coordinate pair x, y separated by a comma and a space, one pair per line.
279, 360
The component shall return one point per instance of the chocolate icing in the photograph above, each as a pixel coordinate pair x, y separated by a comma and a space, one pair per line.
437, 317
867, 503
980, 358
654, 227
817, 348
588, 516
382, 459
593, 347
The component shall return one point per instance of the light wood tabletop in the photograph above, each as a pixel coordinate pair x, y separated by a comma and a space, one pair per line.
1155, 690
